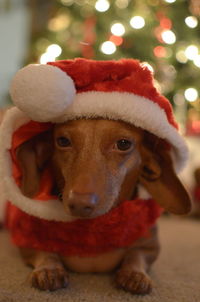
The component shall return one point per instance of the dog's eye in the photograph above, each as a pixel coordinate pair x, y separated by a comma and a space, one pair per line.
123, 144
63, 141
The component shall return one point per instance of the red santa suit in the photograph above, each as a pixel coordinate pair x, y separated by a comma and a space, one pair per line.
118, 228
70, 89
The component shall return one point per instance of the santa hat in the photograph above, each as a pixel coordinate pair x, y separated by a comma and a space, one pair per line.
124, 90
80, 88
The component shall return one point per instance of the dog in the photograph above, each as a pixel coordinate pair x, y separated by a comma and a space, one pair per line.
98, 164
88, 163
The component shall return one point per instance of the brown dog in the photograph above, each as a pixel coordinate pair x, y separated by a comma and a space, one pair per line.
98, 164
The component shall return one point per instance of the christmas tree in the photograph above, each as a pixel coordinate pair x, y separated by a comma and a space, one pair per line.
162, 33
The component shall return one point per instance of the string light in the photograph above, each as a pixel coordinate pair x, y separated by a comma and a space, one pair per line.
191, 94
197, 61
191, 52
166, 23
118, 29
191, 21
137, 22
122, 3
168, 36
46, 57
181, 57
67, 2
59, 23
108, 48
116, 40
52, 52
102, 5
160, 51
170, 1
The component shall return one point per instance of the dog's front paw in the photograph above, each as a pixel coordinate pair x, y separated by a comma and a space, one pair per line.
135, 282
49, 278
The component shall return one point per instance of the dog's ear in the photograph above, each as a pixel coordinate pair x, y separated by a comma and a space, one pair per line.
160, 180
32, 157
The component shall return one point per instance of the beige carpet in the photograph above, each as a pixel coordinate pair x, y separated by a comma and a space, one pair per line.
176, 274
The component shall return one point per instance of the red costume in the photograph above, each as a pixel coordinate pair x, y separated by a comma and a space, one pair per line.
197, 194
118, 228
70, 89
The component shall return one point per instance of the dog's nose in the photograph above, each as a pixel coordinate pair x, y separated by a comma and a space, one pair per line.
82, 204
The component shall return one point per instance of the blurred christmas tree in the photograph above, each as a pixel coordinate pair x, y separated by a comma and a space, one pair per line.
162, 33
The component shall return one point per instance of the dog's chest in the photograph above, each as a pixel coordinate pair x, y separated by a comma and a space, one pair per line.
105, 262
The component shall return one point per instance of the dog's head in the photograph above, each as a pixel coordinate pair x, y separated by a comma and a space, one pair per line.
98, 163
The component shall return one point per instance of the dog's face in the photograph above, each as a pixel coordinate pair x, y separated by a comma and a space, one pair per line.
93, 160
98, 163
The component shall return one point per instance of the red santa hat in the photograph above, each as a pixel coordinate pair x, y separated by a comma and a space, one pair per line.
70, 89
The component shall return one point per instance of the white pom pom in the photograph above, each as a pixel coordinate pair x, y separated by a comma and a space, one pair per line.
43, 92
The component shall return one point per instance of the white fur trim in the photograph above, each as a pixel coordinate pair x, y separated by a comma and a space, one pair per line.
133, 109
43, 92
143, 193
51, 210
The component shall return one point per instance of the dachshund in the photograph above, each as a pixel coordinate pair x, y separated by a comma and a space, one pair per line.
97, 164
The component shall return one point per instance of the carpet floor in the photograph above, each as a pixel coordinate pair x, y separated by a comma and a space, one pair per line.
176, 274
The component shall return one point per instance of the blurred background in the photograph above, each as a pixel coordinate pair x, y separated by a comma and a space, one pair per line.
165, 34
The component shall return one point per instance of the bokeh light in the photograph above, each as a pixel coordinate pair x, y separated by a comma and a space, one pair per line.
168, 36
181, 57
191, 52
118, 29
108, 48
102, 5
59, 23
54, 50
116, 40
137, 22
46, 57
166, 23
67, 2
160, 51
191, 94
191, 21
122, 3
170, 1
197, 61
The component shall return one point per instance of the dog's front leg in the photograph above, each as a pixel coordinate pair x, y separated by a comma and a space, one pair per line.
48, 273
132, 275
